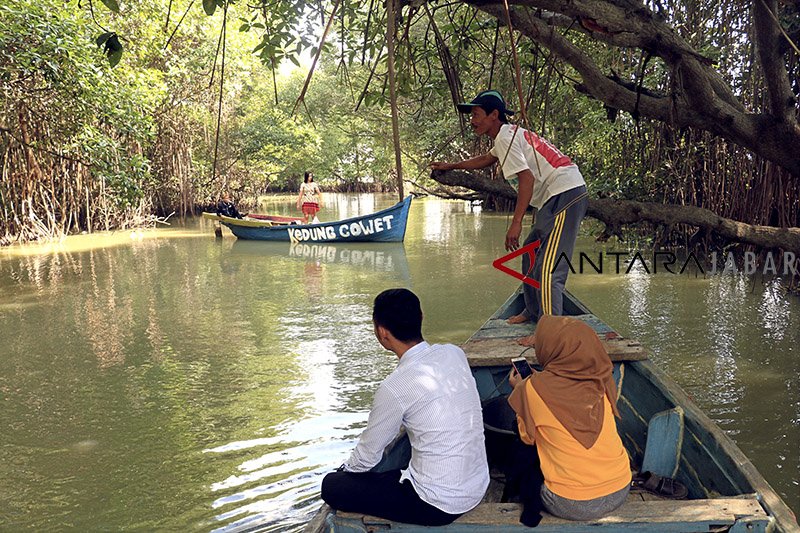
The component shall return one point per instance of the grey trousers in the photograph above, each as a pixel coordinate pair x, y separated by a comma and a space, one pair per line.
556, 225
582, 510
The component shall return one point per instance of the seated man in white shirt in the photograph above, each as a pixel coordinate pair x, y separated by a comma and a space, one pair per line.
433, 396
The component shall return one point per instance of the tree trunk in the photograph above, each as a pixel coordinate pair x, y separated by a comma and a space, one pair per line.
390, 30
616, 213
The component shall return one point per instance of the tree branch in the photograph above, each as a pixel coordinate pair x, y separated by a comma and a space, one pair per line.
615, 213
768, 39
704, 101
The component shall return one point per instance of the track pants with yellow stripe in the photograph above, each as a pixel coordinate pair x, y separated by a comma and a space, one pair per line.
556, 225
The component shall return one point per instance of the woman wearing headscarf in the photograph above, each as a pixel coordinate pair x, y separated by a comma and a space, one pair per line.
567, 411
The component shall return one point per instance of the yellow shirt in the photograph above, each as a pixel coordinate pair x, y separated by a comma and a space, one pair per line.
570, 470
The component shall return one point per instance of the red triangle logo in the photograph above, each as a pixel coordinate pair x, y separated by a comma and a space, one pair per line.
530, 249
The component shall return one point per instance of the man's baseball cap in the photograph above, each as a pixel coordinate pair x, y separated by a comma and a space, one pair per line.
488, 101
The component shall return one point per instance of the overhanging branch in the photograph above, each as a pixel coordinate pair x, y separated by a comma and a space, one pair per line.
616, 213
702, 99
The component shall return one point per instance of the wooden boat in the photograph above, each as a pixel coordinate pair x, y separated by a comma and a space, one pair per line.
660, 427
388, 225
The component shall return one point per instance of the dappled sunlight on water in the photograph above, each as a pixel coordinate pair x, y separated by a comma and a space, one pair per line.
94, 241
282, 485
172, 381
731, 342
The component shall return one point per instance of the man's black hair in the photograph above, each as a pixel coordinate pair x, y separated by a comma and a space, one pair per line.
500, 115
399, 311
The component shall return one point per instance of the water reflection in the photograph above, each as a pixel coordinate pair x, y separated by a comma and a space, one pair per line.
435, 228
726, 304
637, 284
383, 257
283, 483
774, 309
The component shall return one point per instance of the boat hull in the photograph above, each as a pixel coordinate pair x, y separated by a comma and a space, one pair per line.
388, 225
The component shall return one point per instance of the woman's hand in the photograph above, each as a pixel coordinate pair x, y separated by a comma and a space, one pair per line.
514, 378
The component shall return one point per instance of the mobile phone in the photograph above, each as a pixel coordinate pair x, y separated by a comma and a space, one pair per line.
522, 367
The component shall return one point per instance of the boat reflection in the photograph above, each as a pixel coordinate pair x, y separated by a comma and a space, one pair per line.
372, 256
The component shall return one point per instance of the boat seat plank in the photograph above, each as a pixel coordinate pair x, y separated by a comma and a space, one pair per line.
663, 515
662, 452
499, 351
600, 327
499, 327
494, 492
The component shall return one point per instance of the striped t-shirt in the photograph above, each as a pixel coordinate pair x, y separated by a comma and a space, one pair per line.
553, 172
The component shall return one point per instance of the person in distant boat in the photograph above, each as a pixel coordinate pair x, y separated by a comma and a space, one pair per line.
567, 412
310, 199
226, 208
433, 396
545, 179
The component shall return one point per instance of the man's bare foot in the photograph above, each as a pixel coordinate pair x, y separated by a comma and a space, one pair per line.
526, 341
518, 319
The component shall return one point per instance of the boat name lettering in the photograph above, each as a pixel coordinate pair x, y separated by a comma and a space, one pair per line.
368, 227
346, 231
321, 233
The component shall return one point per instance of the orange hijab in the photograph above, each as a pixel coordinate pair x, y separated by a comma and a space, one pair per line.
576, 374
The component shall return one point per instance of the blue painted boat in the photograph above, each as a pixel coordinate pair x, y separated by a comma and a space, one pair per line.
661, 428
388, 225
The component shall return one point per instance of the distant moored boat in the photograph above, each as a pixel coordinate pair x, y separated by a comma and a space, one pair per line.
388, 225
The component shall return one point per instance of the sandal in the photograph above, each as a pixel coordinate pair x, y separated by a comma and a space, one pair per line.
665, 487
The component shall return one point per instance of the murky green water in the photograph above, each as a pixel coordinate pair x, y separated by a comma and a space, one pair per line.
162, 380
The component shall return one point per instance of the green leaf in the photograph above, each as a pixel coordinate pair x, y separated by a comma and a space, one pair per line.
113, 44
114, 57
261, 45
101, 40
245, 27
209, 6
112, 5
113, 50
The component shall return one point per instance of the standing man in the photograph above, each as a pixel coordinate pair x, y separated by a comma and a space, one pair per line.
543, 178
433, 396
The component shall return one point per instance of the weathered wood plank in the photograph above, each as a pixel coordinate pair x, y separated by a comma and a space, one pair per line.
600, 327
495, 491
655, 515
499, 351
724, 510
317, 523
502, 323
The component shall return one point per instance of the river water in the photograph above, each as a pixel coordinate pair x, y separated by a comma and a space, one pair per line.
165, 380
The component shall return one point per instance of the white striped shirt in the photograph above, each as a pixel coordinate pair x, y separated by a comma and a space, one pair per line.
553, 172
431, 393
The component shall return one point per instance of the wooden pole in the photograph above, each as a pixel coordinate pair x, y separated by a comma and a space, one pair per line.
390, 29
517, 74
